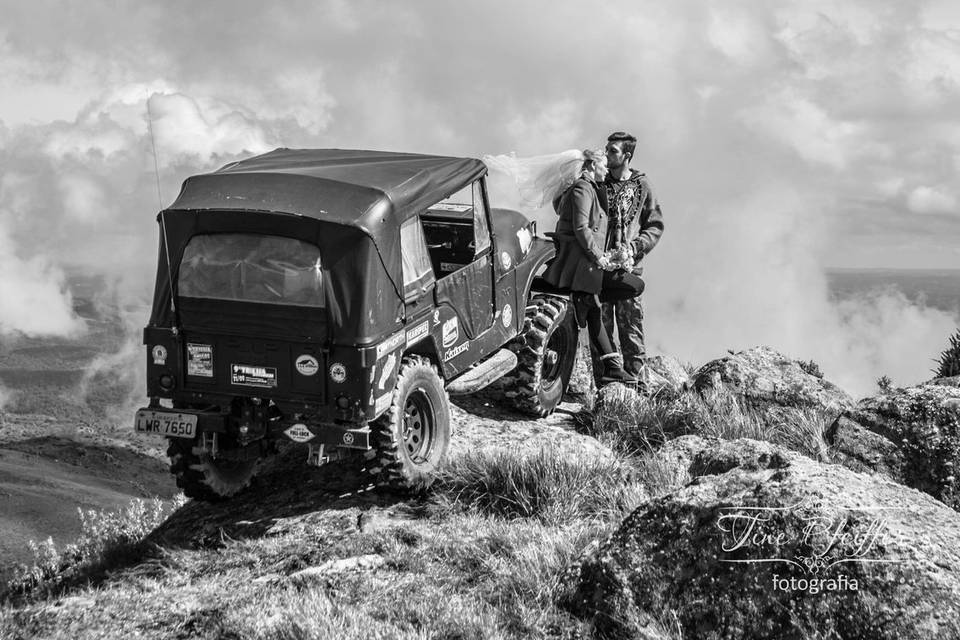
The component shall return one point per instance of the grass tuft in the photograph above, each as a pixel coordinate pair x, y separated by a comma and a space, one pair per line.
548, 484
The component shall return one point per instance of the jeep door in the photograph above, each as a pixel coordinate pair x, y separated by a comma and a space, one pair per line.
457, 232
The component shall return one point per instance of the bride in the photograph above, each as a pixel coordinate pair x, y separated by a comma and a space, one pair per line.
582, 265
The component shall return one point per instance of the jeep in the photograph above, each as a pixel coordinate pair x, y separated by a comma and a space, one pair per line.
334, 298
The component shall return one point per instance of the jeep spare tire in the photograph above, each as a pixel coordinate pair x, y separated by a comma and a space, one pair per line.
412, 437
546, 352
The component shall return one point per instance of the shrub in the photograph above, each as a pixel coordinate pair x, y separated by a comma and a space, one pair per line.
884, 383
107, 539
811, 368
949, 363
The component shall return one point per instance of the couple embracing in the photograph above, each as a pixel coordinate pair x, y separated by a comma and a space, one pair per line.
609, 220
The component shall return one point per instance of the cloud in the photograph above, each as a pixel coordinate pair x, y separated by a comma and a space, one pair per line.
765, 128
34, 299
924, 199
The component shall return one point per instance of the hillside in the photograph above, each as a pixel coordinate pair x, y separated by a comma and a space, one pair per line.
606, 521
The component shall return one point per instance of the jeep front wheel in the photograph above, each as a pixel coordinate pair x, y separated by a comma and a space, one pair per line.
546, 352
412, 437
203, 477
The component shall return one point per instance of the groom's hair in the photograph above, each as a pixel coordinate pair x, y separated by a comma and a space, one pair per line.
629, 141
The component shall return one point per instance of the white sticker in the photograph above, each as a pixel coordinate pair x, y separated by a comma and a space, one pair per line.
338, 372
199, 360
159, 354
387, 370
390, 344
451, 331
507, 316
307, 365
250, 376
457, 350
451, 206
299, 433
383, 403
436, 317
505, 260
418, 333
348, 438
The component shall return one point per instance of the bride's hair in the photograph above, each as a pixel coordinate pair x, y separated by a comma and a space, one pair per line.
592, 158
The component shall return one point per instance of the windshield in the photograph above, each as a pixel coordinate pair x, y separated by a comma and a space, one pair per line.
252, 268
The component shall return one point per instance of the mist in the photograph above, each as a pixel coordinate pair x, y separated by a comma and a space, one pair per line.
781, 138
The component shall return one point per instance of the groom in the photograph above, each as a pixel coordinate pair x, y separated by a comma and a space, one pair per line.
636, 222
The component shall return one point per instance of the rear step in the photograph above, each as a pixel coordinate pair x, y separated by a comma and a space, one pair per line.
491, 369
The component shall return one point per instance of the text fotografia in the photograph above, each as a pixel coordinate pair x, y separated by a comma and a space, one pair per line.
815, 585
802, 535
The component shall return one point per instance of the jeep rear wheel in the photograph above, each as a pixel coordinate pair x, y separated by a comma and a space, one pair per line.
546, 352
204, 477
411, 439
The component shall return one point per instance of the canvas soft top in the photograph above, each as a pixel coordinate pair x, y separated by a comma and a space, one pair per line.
372, 190
348, 203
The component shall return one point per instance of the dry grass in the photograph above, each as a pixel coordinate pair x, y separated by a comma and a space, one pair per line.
482, 556
636, 424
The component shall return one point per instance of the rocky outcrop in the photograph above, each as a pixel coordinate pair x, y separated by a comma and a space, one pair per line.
911, 435
666, 373
771, 382
767, 543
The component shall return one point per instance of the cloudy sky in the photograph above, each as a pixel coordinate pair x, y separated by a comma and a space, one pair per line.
781, 137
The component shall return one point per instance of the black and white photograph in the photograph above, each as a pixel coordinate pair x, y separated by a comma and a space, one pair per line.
425, 319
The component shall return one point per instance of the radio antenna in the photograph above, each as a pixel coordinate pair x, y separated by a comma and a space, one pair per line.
163, 218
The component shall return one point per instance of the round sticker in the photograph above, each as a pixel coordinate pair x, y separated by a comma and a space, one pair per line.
348, 438
338, 372
505, 260
159, 354
507, 316
307, 365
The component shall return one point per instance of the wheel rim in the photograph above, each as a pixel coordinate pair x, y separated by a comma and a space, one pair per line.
553, 356
419, 426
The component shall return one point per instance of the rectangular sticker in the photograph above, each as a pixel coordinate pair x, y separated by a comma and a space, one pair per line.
250, 376
390, 344
451, 206
199, 360
418, 333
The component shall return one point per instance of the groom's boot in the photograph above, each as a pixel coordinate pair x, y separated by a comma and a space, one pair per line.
613, 370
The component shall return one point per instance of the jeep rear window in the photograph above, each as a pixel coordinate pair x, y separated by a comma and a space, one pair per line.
252, 268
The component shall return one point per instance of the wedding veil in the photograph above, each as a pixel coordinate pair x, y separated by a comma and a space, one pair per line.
538, 179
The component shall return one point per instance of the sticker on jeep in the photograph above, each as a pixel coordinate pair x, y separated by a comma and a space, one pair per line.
299, 433
199, 360
507, 316
159, 355
388, 366
418, 333
457, 350
451, 332
390, 344
250, 376
307, 365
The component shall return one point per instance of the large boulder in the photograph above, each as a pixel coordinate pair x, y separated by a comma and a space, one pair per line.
777, 546
911, 435
771, 382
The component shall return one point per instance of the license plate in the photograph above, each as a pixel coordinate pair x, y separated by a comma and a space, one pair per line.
166, 423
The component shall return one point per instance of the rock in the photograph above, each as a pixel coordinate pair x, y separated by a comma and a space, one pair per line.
340, 565
952, 381
893, 570
666, 372
770, 381
911, 435
690, 456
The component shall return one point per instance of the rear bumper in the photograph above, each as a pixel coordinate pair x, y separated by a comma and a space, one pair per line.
336, 435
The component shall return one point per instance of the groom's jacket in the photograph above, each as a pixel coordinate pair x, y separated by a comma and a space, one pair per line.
634, 202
